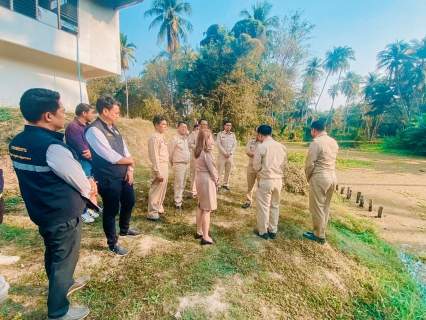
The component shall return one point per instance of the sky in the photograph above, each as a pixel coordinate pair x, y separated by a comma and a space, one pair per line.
366, 26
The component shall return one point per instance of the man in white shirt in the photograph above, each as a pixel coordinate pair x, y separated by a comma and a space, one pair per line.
113, 169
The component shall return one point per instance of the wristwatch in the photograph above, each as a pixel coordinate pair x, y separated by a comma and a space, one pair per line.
130, 169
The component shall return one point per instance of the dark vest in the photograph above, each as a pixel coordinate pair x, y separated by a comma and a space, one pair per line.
49, 199
102, 169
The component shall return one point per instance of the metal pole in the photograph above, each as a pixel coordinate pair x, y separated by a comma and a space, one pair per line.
11, 5
78, 54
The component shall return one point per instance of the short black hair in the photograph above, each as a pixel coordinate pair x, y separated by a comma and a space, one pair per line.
180, 122
264, 130
82, 107
196, 125
158, 119
226, 122
202, 119
37, 101
106, 102
318, 125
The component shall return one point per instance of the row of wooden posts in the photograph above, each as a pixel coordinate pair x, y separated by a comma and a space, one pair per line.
360, 200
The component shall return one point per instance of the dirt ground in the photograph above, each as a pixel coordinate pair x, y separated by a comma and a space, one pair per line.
397, 183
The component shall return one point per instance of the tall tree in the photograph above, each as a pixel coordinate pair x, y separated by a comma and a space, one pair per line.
336, 61
350, 88
393, 59
173, 27
333, 92
127, 51
261, 12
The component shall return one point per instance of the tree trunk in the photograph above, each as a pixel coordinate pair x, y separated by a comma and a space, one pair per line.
322, 90
346, 114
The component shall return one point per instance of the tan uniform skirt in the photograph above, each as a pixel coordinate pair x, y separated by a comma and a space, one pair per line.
206, 191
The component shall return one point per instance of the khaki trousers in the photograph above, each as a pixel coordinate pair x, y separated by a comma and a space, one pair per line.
157, 192
193, 169
179, 171
321, 187
268, 204
251, 179
225, 163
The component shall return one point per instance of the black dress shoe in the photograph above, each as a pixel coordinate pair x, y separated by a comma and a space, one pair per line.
204, 241
272, 235
226, 188
179, 208
246, 205
158, 220
190, 196
198, 236
264, 236
312, 237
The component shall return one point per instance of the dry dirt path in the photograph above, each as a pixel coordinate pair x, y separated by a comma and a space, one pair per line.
397, 183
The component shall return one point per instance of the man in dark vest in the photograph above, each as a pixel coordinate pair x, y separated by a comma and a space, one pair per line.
113, 169
52, 183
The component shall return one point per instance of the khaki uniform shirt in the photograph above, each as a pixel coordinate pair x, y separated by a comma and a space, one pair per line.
178, 149
321, 156
157, 151
226, 142
192, 141
269, 159
251, 148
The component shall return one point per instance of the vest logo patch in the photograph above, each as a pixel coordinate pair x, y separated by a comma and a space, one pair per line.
109, 135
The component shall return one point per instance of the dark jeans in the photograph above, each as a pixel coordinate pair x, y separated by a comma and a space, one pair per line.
62, 244
87, 168
114, 193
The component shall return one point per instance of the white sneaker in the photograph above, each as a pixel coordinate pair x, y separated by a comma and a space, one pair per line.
92, 213
87, 218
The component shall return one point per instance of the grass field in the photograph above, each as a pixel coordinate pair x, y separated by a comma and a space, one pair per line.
169, 275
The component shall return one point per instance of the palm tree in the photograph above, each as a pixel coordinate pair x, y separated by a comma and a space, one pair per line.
312, 75
127, 51
173, 27
336, 61
350, 87
260, 12
333, 92
393, 59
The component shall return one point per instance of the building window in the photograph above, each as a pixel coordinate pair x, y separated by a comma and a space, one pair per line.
62, 14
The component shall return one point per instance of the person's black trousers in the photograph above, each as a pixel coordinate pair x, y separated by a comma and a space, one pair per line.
62, 244
114, 193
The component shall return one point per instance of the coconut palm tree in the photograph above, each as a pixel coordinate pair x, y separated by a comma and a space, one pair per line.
173, 27
333, 92
260, 12
127, 51
393, 59
350, 88
336, 61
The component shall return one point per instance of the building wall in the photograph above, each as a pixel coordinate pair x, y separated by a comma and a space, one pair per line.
33, 54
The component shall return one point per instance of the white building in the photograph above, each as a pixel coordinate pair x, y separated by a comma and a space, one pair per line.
57, 44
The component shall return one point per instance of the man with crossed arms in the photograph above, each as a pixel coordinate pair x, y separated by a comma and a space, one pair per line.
227, 143
179, 158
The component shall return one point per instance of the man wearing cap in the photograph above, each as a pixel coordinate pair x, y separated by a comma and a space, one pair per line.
320, 170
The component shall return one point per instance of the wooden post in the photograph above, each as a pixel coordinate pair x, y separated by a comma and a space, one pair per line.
370, 204
347, 192
361, 201
379, 213
349, 196
337, 187
358, 195
342, 191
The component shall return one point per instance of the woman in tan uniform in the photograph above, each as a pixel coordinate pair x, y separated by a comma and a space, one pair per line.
206, 184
